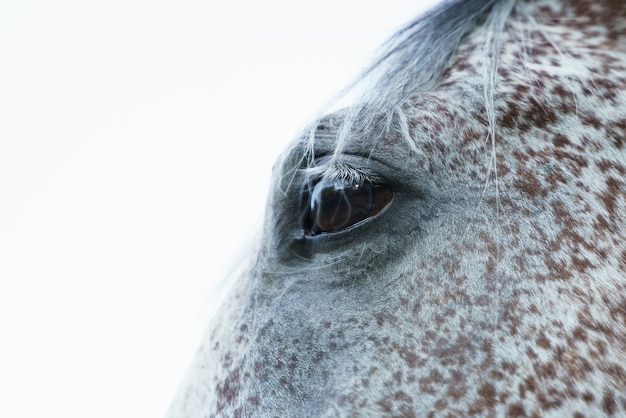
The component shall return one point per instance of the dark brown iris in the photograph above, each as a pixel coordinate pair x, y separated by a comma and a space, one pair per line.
334, 205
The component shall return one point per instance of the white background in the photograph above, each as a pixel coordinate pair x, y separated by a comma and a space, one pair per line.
136, 143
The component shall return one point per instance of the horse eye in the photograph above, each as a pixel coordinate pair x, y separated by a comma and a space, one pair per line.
334, 205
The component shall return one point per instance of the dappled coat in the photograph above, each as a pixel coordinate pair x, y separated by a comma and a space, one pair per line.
453, 241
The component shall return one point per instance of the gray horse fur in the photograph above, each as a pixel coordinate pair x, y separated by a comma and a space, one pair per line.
494, 282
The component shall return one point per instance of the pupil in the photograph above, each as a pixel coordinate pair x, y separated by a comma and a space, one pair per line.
338, 204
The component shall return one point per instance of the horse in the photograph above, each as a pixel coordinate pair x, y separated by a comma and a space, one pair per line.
452, 241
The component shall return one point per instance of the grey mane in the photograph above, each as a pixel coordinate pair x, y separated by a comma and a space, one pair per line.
415, 57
